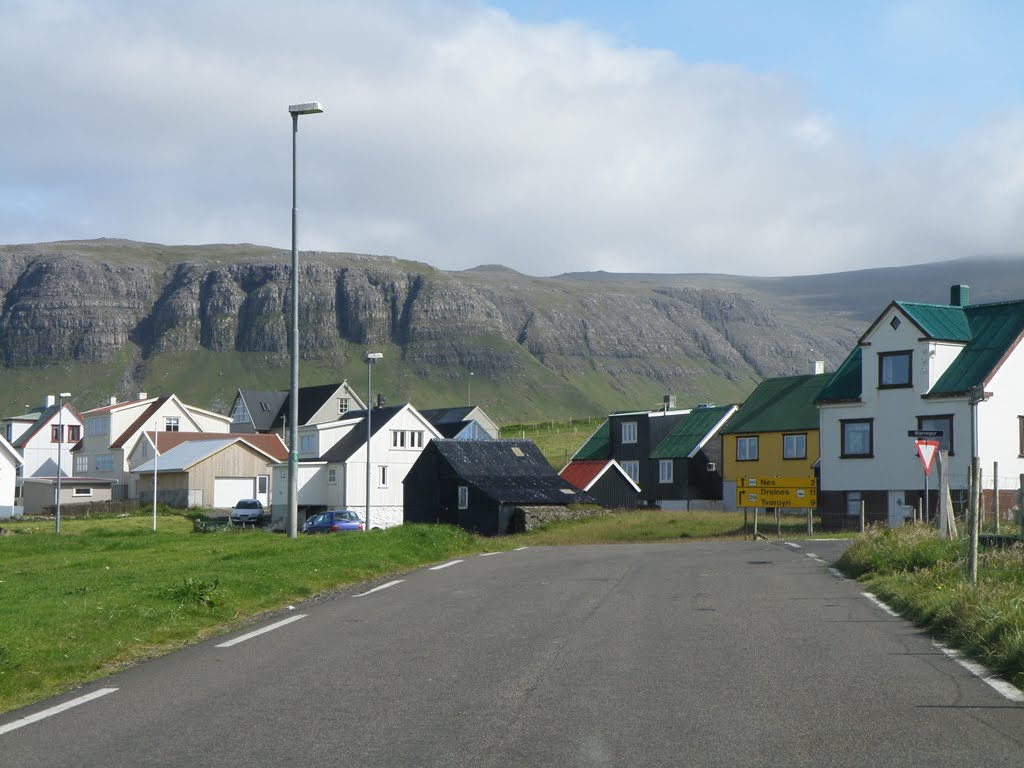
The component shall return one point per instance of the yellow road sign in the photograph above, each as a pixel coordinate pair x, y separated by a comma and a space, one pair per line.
777, 497
778, 482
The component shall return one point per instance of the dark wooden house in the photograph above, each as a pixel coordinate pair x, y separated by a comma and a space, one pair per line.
484, 486
605, 480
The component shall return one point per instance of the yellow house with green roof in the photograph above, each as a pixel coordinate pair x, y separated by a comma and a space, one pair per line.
774, 433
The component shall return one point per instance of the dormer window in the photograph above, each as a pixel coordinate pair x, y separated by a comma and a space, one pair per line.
894, 369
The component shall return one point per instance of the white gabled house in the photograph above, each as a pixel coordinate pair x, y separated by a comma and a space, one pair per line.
113, 431
44, 437
332, 464
917, 367
261, 410
9, 463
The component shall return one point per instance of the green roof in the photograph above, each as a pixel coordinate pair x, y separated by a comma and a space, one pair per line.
779, 404
599, 446
994, 329
691, 431
845, 382
942, 322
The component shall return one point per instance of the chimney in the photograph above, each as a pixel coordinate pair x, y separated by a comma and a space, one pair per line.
113, 400
380, 400
143, 396
51, 400
668, 401
959, 295
818, 367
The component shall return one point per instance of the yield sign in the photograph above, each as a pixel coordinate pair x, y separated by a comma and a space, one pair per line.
926, 450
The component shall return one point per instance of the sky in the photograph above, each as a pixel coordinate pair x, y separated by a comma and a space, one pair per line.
728, 136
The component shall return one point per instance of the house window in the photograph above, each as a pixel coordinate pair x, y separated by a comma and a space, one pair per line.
74, 433
81, 465
104, 462
262, 483
145, 449
857, 439
332, 475
240, 414
403, 438
746, 448
79, 491
853, 503
100, 425
264, 406
463, 497
307, 443
632, 468
55, 433
382, 476
894, 369
342, 405
944, 424
283, 474
171, 424
629, 431
397, 438
665, 471
794, 446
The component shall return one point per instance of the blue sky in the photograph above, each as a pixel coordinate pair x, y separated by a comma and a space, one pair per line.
760, 138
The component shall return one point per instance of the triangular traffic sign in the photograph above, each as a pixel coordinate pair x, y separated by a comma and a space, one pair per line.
926, 450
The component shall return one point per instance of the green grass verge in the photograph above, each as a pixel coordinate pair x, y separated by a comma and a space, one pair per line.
924, 578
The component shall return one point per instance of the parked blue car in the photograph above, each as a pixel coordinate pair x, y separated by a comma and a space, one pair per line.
333, 521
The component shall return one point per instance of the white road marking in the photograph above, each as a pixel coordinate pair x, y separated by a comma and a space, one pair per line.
519, 549
837, 573
263, 630
814, 557
1004, 688
880, 604
449, 564
382, 586
488, 554
54, 710
794, 546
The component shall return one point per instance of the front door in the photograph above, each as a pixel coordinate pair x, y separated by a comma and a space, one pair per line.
899, 512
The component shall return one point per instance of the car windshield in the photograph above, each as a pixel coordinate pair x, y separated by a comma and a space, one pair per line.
247, 504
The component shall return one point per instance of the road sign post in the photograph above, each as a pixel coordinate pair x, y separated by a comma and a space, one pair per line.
927, 442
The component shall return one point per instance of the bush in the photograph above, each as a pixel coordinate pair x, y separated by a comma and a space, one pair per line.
896, 550
193, 592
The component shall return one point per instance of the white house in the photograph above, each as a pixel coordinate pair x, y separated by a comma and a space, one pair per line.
332, 464
112, 431
257, 410
44, 436
9, 463
917, 368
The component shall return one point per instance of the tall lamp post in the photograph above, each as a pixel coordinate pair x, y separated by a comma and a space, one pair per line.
60, 450
309, 108
371, 358
469, 389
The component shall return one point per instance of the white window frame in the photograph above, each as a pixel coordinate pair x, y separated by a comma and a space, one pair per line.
172, 423
98, 425
743, 448
240, 414
105, 462
82, 491
343, 405
382, 475
629, 432
332, 475
788, 449
631, 468
81, 465
463, 497
665, 467
307, 443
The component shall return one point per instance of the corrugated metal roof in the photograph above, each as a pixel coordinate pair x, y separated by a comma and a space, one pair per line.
845, 383
778, 404
995, 329
942, 322
598, 445
183, 456
692, 431
583, 474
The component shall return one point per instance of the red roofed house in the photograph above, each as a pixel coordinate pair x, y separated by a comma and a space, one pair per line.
605, 480
112, 433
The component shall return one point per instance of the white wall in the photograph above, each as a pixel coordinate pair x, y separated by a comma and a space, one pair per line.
998, 425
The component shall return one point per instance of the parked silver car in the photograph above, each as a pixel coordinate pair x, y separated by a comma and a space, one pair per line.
247, 511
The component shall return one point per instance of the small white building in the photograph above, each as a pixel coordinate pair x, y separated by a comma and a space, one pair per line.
9, 463
44, 437
332, 465
919, 367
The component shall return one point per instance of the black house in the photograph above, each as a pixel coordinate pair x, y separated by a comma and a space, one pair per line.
483, 486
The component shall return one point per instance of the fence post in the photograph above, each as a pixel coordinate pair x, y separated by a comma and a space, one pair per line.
862, 515
1020, 505
756, 509
810, 521
744, 522
995, 493
778, 523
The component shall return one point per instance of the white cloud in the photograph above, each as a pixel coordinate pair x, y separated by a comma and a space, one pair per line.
457, 136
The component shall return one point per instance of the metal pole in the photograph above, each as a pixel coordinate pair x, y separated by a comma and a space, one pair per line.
60, 450
293, 410
995, 492
369, 432
156, 464
926, 491
862, 515
972, 566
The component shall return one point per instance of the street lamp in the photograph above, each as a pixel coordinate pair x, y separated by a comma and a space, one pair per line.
60, 449
469, 389
309, 108
371, 358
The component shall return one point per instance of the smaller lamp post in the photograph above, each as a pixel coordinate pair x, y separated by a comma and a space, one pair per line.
60, 449
371, 358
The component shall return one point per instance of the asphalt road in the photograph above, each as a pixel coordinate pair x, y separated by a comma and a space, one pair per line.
715, 654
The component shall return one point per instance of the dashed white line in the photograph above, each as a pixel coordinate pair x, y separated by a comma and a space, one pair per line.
794, 546
382, 586
449, 564
814, 557
1004, 688
519, 549
488, 554
880, 604
263, 630
54, 710
837, 573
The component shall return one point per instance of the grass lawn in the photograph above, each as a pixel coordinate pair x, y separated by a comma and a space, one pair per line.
924, 578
